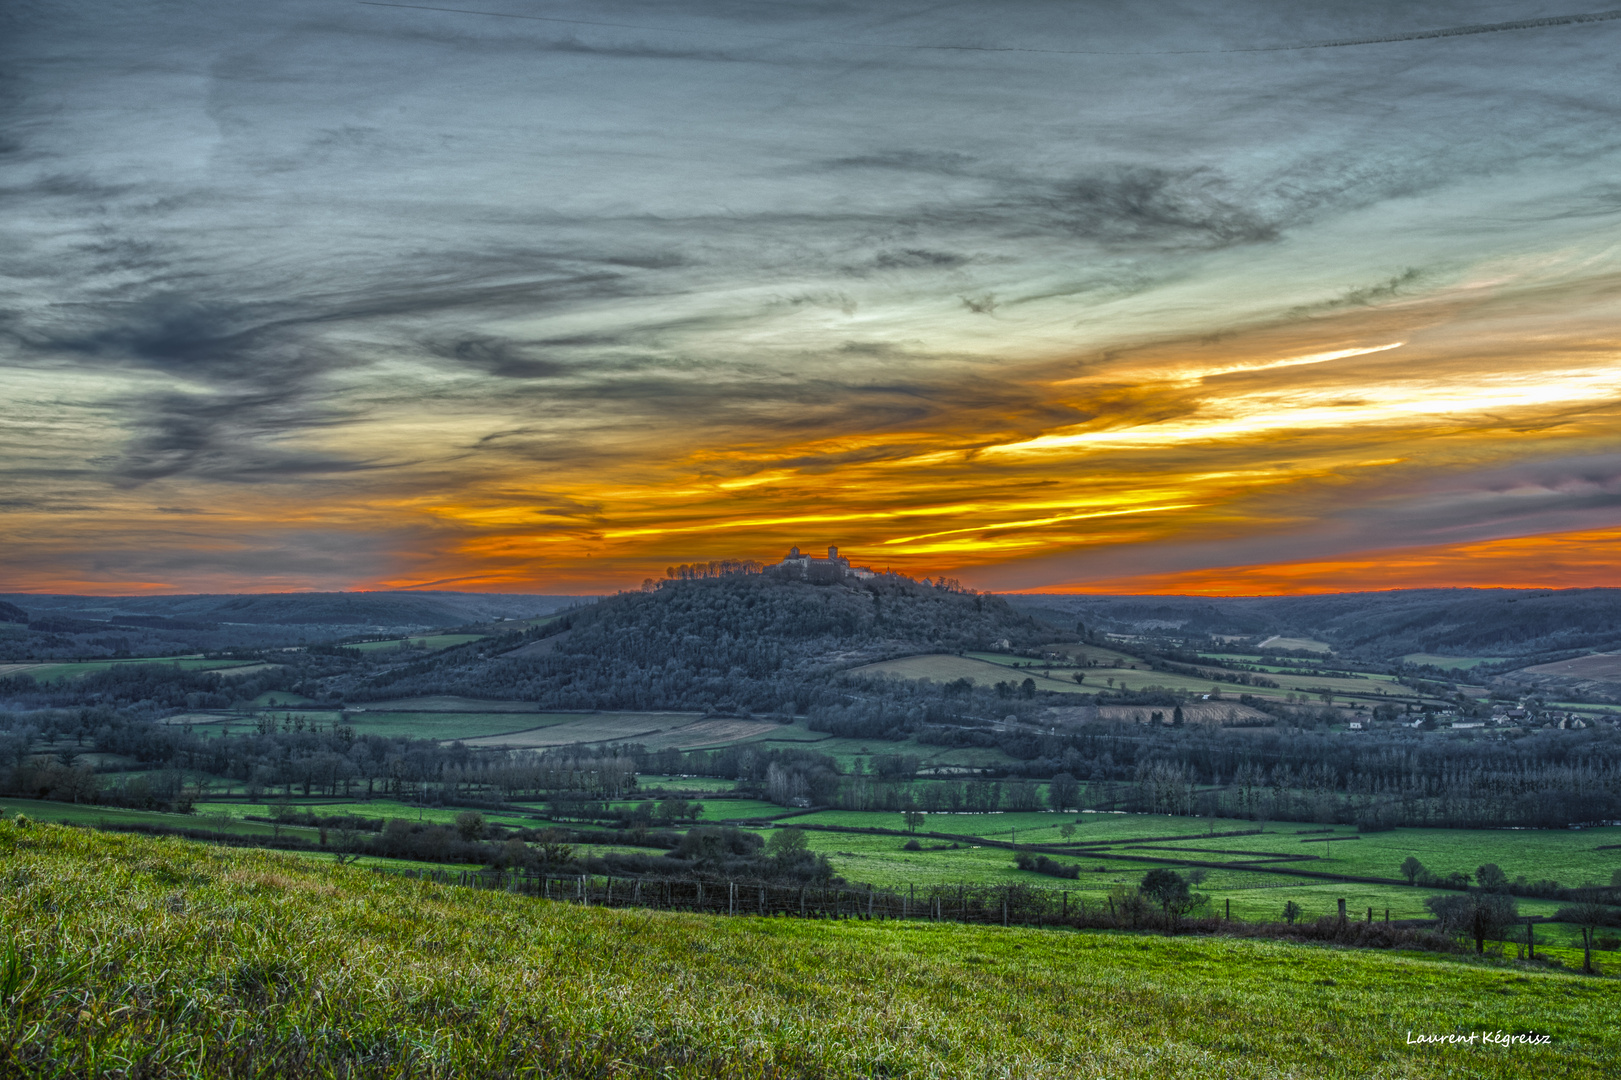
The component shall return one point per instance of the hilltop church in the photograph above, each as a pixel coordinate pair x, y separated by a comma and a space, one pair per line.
834, 568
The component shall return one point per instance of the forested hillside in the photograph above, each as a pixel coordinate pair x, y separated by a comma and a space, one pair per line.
1462, 622
751, 642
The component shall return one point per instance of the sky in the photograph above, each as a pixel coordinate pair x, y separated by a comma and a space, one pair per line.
1238, 298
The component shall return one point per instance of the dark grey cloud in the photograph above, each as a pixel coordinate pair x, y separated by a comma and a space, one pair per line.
494, 356
352, 245
918, 259
226, 437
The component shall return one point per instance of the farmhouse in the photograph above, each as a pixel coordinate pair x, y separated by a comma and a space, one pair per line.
834, 568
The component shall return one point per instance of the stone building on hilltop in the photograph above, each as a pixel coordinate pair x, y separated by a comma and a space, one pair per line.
828, 571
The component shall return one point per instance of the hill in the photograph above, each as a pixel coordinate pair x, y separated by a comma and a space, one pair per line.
129, 956
746, 641
104, 626
1449, 622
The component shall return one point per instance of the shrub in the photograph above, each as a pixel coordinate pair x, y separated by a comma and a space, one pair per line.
1041, 864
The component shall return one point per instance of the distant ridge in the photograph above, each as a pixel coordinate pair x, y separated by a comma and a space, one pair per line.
1458, 622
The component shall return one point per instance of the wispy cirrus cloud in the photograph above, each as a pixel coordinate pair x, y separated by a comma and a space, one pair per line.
1050, 298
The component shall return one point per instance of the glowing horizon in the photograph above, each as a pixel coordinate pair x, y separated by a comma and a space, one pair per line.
1293, 320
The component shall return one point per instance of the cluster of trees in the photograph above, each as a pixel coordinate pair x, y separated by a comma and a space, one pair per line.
286, 756
1486, 911
722, 851
152, 688
715, 568
1282, 774
1041, 864
1383, 780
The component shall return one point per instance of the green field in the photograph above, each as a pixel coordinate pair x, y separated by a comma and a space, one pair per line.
374, 809
279, 699
986, 669
847, 752
427, 641
1450, 663
378, 862
1568, 856
446, 725
50, 672
736, 809
440, 725
129, 956
945, 667
216, 818
685, 785
1084, 655
1307, 644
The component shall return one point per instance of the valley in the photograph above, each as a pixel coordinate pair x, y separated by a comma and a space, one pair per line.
883, 738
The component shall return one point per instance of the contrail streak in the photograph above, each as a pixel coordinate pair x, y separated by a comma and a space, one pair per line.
1451, 31
1420, 35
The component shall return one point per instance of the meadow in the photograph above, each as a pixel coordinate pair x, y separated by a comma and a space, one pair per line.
848, 751
1450, 663
1304, 644
430, 642
1103, 669
1572, 857
216, 817
947, 667
129, 955
491, 726
1110, 849
51, 671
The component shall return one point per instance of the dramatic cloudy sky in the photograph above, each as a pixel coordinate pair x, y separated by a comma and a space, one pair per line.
546, 296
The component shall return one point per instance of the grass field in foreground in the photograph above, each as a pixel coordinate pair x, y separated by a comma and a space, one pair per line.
213, 817
127, 955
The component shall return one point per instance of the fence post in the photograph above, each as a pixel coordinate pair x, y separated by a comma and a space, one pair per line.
1229, 915
1066, 905
1342, 911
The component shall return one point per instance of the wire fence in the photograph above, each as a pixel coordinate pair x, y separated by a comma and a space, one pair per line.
993, 905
